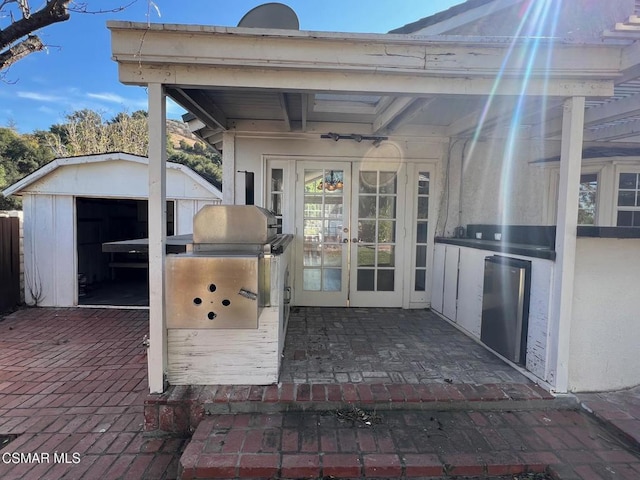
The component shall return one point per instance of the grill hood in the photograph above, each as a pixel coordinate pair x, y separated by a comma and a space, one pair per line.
234, 224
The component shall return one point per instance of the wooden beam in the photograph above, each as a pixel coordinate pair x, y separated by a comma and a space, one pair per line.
398, 106
566, 235
411, 112
304, 107
203, 108
614, 132
282, 97
157, 352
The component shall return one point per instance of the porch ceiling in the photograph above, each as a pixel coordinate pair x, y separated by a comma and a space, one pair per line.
270, 80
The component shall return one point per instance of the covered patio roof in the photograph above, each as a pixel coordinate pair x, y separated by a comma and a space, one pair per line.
293, 81
308, 84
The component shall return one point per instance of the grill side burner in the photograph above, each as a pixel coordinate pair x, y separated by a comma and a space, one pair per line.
205, 291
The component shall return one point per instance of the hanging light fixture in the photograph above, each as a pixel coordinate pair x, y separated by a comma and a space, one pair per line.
331, 182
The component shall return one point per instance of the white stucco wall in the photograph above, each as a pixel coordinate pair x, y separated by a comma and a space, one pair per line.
251, 150
495, 190
605, 329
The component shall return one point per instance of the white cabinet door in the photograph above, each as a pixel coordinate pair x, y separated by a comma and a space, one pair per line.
450, 290
437, 282
470, 283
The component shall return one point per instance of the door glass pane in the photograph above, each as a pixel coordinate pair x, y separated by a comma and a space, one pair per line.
421, 255
387, 207
386, 256
365, 280
388, 182
311, 280
332, 279
423, 207
366, 255
421, 236
625, 219
332, 255
386, 281
423, 183
322, 229
421, 280
367, 207
368, 182
367, 231
386, 231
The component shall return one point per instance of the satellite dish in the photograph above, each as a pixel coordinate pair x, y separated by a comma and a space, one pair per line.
271, 15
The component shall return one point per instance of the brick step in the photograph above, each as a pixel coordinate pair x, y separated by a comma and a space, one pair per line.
316, 445
354, 443
181, 408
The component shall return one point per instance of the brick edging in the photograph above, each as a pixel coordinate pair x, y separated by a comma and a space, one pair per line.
179, 410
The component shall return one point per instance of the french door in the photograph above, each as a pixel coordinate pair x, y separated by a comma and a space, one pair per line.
349, 233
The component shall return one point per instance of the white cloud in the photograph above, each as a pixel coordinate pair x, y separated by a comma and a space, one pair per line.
40, 97
107, 97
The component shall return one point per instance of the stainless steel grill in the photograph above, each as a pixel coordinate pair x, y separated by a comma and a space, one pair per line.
225, 280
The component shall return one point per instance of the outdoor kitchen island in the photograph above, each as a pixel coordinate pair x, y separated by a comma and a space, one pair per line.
602, 307
459, 280
227, 299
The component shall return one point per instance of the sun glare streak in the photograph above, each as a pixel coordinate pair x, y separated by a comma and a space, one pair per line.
537, 25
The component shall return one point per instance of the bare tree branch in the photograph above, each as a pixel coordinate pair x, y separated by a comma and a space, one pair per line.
54, 11
24, 6
17, 39
31, 44
82, 8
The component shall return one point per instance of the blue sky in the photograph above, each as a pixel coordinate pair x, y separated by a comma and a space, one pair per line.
77, 71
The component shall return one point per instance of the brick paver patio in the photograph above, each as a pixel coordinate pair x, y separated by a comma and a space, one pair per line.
73, 386
385, 345
74, 381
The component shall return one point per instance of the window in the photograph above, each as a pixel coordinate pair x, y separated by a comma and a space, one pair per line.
277, 194
422, 227
628, 202
588, 199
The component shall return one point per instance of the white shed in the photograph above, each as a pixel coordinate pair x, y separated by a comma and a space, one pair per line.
74, 205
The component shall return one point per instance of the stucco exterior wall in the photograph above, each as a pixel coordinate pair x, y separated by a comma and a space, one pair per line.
605, 326
497, 188
251, 150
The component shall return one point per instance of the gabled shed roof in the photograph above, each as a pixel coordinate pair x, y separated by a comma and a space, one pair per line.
50, 167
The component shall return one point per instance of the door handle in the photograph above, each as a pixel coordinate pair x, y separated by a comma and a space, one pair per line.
345, 240
355, 240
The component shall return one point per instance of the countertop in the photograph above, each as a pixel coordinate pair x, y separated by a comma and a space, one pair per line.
523, 249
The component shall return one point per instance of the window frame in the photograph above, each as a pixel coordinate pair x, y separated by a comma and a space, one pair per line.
620, 169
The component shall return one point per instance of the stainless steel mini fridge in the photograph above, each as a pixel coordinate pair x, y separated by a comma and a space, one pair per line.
505, 306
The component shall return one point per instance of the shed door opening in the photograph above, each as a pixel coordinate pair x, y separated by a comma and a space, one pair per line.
113, 278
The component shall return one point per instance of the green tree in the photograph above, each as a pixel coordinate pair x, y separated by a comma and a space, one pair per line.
19, 156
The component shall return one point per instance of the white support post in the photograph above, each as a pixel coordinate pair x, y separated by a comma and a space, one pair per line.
157, 352
566, 233
229, 168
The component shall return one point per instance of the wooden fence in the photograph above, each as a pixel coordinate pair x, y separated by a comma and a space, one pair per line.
9, 262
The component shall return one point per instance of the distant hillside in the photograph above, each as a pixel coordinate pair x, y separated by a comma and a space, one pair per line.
87, 133
178, 131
